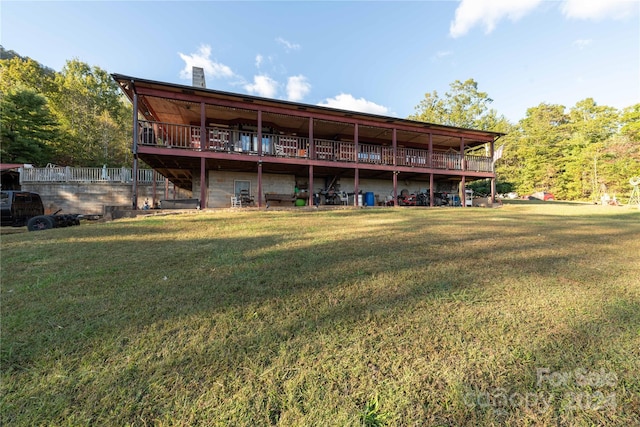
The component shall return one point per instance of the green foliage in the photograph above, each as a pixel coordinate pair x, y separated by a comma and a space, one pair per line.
27, 129
91, 116
577, 155
25, 72
482, 187
631, 122
372, 415
89, 107
463, 106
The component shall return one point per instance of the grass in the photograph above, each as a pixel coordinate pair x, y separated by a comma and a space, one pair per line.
524, 315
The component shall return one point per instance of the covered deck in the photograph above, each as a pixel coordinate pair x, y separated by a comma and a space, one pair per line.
257, 135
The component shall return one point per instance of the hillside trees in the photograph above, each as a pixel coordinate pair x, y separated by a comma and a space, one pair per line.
27, 129
90, 117
577, 155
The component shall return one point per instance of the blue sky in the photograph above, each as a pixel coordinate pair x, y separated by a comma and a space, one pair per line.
375, 56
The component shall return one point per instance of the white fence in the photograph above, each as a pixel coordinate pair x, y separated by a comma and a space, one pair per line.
69, 174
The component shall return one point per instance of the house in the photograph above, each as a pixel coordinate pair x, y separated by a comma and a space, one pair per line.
230, 148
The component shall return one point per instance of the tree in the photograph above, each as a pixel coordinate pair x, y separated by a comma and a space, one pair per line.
631, 122
531, 158
590, 126
463, 106
92, 116
28, 127
25, 72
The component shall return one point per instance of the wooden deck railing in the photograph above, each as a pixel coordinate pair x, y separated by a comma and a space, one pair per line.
69, 174
238, 141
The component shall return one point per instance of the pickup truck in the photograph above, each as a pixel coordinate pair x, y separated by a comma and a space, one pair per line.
20, 208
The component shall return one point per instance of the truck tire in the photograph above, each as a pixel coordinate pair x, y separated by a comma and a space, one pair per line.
40, 222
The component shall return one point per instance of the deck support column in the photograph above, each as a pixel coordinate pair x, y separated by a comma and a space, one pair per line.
204, 138
310, 188
430, 163
356, 178
134, 149
356, 186
394, 145
260, 182
312, 151
431, 192
134, 183
395, 189
203, 182
154, 188
204, 145
259, 132
355, 142
463, 184
493, 190
493, 171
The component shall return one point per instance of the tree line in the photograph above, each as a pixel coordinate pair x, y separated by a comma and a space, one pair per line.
79, 117
75, 117
578, 153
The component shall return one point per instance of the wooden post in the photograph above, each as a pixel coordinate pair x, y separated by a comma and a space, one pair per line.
260, 182
204, 145
430, 151
259, 132
203, 128
203, 181
394, 145
312, 152
493, 171
134, 149
431, 192
395, 189
356, 185
310, 187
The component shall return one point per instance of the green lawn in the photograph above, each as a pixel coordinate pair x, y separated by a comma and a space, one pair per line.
524, 315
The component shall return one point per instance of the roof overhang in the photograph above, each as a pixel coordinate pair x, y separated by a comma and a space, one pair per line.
153, 91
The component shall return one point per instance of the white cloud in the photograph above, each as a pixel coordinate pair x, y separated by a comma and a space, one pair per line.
582, 43
346, 101
441, 54
259, 60
263, 86
598, 9
297, 88
288, 46
202, 59
488, 12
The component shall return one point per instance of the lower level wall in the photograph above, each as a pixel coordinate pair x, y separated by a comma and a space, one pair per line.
91, 198
221, 186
